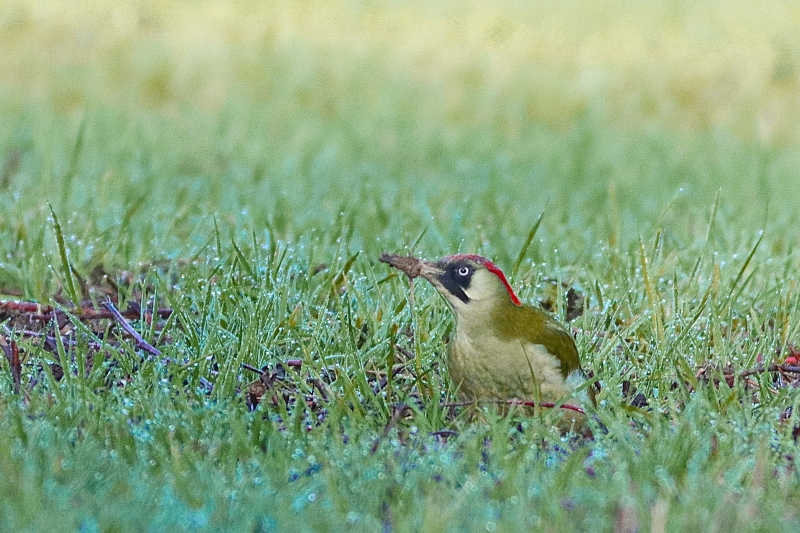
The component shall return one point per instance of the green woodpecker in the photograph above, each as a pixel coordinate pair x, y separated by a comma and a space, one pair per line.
503, 349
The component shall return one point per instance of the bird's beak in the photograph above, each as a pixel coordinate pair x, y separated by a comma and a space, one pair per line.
430, 271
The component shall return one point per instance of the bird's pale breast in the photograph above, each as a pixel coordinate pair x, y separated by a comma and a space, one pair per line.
499, 369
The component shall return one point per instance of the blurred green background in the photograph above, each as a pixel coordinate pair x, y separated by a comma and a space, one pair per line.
466, 117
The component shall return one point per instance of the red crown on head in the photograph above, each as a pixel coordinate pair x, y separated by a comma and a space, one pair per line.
491, 267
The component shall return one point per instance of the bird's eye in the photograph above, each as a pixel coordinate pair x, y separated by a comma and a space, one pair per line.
463, 271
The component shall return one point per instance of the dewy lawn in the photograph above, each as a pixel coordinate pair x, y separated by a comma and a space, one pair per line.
227, 175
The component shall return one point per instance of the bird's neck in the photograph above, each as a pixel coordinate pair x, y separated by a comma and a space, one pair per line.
476, 318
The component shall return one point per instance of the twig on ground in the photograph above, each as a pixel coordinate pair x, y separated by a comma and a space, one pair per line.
792, 369
140, 342
515, 401
730, 375
37, 311
12, 354
52, 343
207, 385
251, 368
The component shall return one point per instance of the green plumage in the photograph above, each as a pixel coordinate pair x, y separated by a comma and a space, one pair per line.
501, 350
537, 327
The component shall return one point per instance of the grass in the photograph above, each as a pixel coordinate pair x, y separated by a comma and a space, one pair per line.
245, 165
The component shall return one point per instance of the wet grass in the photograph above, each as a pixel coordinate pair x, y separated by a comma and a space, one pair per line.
245, 166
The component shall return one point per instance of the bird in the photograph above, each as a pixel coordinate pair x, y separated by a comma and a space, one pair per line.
502, 349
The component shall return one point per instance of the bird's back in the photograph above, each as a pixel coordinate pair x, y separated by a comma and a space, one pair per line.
538, 328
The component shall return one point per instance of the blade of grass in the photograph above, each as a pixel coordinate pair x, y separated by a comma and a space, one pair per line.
341, 277
525, 245
72, 169
216, 236
243, 260
130, 211
421, 235
61, 353
65, 265
668, 207
613, 239
686, 328
744, 267
709, 233
656, 244
651, 293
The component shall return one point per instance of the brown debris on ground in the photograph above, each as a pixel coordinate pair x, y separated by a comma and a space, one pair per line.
102, 331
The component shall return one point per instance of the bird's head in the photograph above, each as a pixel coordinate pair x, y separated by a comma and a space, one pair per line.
469, 282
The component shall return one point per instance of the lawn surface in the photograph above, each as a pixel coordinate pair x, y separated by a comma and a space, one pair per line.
243, 164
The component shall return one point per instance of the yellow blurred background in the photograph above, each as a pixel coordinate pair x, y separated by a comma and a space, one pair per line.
685, 66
